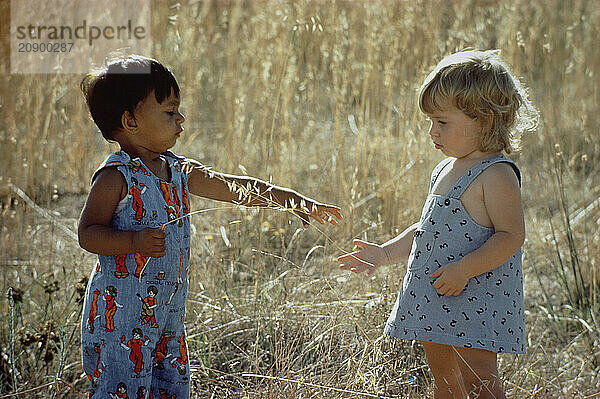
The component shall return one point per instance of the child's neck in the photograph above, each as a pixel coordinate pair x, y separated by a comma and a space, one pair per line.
154, 161
141, 153
475, 156
135, 150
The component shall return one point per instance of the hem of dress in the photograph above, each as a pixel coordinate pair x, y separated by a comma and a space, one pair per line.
445, 339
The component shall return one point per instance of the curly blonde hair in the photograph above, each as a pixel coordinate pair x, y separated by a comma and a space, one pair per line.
480, 84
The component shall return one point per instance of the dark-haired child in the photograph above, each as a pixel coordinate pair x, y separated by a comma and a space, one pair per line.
135, 220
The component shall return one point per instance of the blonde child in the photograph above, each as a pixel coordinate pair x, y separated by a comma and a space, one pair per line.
462, 294
135, 220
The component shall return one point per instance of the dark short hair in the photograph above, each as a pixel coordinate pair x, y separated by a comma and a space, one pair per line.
121, 85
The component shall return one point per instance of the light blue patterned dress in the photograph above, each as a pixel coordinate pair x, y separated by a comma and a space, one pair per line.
488, 314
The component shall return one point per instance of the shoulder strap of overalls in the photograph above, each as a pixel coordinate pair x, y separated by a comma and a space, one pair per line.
466, 179
116, 159
436, 172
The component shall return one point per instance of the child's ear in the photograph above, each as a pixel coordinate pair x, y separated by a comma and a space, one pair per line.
128, 121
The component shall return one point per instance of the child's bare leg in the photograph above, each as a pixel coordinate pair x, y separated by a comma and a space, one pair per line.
479, 369
444, 366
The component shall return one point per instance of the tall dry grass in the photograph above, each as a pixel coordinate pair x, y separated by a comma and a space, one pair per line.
320, 96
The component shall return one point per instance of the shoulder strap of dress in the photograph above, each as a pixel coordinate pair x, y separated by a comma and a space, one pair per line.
467, 178
181, 164
436, 172
170, 154
116, 159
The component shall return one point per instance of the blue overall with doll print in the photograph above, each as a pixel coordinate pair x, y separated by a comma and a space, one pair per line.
133, 336
142, 340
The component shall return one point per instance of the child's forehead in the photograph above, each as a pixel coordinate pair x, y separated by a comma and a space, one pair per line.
171, 100
436, 102
443, 112
150, 100
170, 103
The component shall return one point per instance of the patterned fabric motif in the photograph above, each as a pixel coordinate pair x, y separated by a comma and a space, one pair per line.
133, 335
488, 314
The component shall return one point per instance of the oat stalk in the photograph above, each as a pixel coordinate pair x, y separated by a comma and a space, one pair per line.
11, 304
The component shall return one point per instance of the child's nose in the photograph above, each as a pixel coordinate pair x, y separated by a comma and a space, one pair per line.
432, 131
181, 118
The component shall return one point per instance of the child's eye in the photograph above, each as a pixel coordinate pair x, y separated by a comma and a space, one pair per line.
432, 120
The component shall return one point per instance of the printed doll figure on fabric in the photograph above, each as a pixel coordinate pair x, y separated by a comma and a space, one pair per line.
136, 218
462, 294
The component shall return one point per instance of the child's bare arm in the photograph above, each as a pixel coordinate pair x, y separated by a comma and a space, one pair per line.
399, 246
502, 199
249, 191
370, 256
95, 232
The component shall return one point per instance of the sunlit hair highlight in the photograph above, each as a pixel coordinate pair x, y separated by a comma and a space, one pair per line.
480, 84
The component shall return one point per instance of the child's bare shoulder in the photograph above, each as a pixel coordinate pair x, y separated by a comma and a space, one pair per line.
502, 171
108, 181
108, 188
500, 177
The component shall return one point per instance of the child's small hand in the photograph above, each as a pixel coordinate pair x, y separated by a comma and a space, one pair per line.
322, 213
451, 279
369, 257
150, 242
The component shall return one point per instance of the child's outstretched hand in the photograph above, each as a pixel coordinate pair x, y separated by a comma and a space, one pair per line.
322, 213
369, 257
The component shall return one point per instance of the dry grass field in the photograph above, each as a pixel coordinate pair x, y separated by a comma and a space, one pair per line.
320, 96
